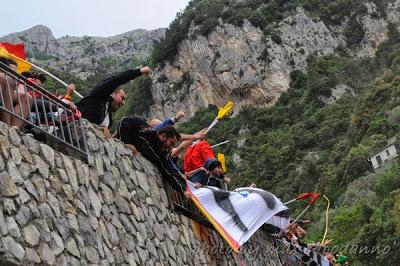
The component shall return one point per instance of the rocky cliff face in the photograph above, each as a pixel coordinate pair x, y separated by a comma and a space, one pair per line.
86, 56
244, 65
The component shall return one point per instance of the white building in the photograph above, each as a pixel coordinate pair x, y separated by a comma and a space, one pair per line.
385, 154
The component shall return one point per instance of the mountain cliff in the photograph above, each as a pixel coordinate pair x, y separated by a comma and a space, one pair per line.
250, 62
86, 56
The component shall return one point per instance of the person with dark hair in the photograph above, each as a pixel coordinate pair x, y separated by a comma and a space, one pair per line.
17, 102
107, 97
155, 146
209, 175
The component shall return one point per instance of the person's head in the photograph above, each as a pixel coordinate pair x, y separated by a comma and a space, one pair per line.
154, 122
39, 78
118, 99
213, 166
9, 62
27, 74
169, 137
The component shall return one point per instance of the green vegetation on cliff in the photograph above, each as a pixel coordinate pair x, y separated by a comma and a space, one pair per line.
302, 144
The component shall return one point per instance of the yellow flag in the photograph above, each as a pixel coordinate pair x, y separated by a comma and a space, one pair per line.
223, 111
22, 65
221, 159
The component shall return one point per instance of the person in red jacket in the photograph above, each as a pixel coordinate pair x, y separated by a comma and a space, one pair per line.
196, 155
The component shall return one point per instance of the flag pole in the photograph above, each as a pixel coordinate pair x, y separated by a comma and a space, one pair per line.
54, 77
301, 214
219, 144
290, 201
46, 72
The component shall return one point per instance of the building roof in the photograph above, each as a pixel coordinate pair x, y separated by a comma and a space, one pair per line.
382, 149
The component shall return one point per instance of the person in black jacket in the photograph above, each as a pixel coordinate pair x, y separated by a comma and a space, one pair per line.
107, 97
154, 146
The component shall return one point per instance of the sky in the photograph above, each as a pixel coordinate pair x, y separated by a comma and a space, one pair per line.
88, 17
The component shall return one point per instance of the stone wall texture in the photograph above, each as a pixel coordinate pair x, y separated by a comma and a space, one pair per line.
113, 210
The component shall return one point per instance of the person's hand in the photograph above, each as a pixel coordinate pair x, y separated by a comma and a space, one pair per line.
203, 169
227, 179
145, 70
106, 132
179, 115
199, 135
72, 106
197, 185
187, 194
132, 148
71, 88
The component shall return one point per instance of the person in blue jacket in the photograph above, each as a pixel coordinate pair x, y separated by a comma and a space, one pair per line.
209, 175
158, 124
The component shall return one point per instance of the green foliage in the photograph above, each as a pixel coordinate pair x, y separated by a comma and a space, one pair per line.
82, 86
302, 144
353, 32
139, 98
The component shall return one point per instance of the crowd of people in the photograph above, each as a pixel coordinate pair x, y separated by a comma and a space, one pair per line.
155, 139
27, 102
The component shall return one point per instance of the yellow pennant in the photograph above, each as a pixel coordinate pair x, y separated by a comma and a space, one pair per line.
224, 111
221, 159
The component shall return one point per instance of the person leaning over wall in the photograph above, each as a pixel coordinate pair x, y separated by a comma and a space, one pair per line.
155, 146
13, 100
210, 174
107, 97
196, 156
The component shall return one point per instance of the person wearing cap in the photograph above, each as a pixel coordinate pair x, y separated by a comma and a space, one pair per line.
209, 175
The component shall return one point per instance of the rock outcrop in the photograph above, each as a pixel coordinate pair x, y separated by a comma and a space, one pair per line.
244, 65
83, 56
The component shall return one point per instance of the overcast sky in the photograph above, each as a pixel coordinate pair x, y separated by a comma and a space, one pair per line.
88, 17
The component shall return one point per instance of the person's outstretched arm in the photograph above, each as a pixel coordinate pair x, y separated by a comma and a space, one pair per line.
108, 86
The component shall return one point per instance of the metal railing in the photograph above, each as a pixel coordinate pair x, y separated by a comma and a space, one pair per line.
185, 206
23, 101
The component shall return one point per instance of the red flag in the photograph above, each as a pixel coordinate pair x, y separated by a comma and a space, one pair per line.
15, 49
312, 195
17, 53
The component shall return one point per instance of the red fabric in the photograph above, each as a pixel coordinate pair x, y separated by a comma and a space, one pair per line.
196, 156
312, 195
34, 94
15, 49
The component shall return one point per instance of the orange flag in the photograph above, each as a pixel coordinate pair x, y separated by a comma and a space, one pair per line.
17, 53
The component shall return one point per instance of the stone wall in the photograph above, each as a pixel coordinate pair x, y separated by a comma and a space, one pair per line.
58, 210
